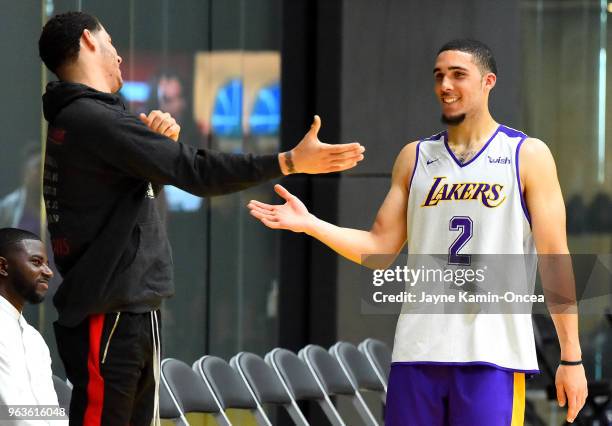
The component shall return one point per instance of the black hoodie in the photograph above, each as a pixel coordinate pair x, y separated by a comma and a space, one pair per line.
101, 168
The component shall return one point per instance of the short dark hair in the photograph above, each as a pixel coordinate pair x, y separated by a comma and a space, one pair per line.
9, 237
60, 37
482, 54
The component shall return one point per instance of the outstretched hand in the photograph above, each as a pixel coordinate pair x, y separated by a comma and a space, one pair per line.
293, 215
313, 156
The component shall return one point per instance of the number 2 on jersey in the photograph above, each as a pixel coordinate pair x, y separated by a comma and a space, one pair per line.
465, 225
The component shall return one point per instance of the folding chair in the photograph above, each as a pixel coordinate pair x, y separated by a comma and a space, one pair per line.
300, 383
227, 387
63, 392
183, 392
379, 357
265, 386
333, 381
357, 368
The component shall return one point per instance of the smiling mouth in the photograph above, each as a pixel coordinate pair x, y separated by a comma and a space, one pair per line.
450, 100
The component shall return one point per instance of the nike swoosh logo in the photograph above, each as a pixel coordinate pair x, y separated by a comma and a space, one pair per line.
432, 161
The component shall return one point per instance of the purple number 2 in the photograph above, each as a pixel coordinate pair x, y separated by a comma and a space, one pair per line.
465, 225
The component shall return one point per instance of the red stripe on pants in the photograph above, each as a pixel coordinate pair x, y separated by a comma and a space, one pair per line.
95, 384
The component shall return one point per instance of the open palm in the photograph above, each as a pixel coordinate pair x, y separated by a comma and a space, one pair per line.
293, 215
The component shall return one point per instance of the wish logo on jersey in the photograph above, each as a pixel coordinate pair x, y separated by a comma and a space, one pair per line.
490, 195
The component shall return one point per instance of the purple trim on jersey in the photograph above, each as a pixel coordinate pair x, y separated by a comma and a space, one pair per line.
518, 180
416, 162
513, 133
434, 137
450, 152
468, 363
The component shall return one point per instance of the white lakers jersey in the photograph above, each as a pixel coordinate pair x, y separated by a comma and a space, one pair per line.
467, 209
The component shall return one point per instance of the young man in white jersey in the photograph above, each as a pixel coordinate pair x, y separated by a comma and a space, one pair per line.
478, 379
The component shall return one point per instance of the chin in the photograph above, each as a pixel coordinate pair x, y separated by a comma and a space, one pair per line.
118, 86
37, 298
453, 120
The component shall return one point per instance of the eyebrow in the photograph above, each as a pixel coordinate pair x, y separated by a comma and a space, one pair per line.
453, 68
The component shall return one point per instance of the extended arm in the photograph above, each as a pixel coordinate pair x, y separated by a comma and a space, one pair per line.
387, 235
142, 149
547, 210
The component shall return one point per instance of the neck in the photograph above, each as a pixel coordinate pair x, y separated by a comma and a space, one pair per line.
474, 130
87, 77
13, 299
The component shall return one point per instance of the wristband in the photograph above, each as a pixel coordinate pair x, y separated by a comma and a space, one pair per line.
562, 362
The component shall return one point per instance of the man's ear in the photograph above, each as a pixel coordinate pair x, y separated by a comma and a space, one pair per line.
489, 81
88, 40
3, 267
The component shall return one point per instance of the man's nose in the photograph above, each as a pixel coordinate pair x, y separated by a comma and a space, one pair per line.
446, 84
47, 271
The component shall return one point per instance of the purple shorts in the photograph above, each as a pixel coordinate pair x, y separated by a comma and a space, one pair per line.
457, 395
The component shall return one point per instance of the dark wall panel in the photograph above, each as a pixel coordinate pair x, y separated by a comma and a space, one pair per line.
20, 24
388, 53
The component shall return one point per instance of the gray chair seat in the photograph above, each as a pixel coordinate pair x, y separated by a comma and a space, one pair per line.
301, 383
333, 379
265, 385
379, 357
228, 388
63, 392
183, 392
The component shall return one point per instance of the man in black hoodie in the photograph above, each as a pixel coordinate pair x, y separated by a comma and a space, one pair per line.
103, 169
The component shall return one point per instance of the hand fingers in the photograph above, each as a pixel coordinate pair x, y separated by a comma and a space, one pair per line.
159, 121
263, 214
348, 160
315, 126
152, 117
344, 147
144, 119
343, 165
350, 152
339, 168
153, 114
572, 408
280, 190
268, 222
560, 395
166, 124
260, 205
173, 132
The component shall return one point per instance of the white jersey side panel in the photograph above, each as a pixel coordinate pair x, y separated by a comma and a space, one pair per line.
499, 225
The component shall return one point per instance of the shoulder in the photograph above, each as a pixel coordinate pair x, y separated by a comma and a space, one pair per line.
536, 161
407, 156
533, 146
405, 162
36, 338
408, 151
535, 152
